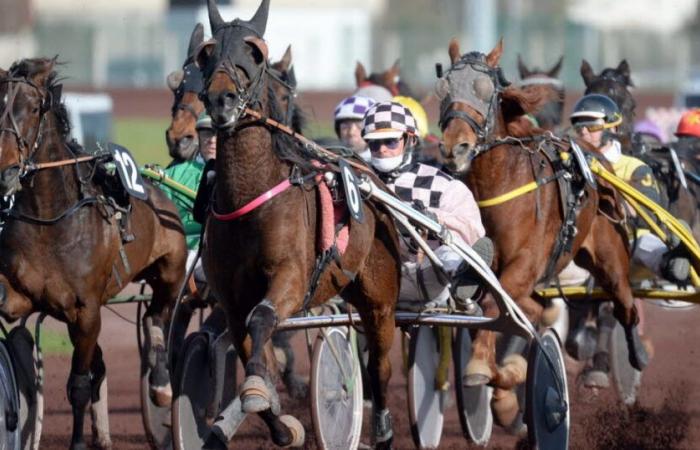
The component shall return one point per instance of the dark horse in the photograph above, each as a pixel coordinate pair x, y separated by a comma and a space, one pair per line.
496, 150
64, 249
260, 265
680, 201
549, 117
389, 79
186, 84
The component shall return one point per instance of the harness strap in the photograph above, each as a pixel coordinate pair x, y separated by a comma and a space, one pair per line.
253, 204
522, 190
12, 214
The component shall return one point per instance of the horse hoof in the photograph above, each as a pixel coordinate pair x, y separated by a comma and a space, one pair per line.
102, 444
550, 315
296, 429
596, 379
505, 406
477, 373
513, 372
162, 396
78, 446
255, 395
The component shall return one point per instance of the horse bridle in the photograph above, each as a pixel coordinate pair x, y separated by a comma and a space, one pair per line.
25, 162
192, 81
476, 62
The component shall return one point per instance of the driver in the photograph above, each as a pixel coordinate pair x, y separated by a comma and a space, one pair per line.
390, 131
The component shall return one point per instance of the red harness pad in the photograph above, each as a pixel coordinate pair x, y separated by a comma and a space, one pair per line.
330, 216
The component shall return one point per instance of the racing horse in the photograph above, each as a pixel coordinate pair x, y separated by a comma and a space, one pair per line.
549, 117
70, 243
390, 79
679, 200
495, 150
262, 265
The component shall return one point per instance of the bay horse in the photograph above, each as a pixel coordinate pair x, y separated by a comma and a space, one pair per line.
680, 201
186, 84
70, 243
494, 150
390, 79
550, 116
260, 266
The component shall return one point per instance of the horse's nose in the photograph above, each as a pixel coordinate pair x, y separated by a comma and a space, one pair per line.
185, 142
9, 178
460, 149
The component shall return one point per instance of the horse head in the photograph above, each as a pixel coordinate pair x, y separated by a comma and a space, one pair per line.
550, 116
186, 84
390, 79
477, 103
29, 93
615, 83
234, 63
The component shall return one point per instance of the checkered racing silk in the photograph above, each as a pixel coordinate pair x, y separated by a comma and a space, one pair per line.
387, 117
450, 200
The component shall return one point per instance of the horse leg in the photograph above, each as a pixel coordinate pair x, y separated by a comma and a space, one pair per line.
154, 326
295, 385
83, 334
99, 410
604, 253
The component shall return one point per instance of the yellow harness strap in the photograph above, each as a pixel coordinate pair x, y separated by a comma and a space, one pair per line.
522, 190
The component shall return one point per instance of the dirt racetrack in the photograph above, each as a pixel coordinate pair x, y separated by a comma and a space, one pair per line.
668, 414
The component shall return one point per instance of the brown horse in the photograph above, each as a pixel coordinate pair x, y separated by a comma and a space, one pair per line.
70, 243
549, 117
260, 265
389, 79
186, 84
496, 150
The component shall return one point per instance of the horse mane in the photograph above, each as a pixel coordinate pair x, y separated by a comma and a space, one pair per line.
28, 68
516, 102
286, 147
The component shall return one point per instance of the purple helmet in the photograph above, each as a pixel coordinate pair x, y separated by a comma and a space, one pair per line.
649, 127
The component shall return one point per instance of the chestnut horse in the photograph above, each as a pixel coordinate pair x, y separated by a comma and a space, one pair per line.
496, 150
550, 116
390, 79
70, 242
260, 266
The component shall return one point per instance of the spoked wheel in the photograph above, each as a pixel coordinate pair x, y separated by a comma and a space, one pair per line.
547, 398
627, 379
426, 400
31, 402
474, 402
156, 419
336, 390
9, 403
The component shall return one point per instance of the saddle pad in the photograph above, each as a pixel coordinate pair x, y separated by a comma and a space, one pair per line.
331, 215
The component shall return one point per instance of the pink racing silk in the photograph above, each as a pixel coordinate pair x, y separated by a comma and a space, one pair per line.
253, 204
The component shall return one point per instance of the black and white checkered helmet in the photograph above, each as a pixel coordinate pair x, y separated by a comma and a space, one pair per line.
388, 120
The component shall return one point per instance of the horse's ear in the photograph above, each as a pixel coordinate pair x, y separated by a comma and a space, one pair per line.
203, 52
587, 72
286, 62
260, 51
360, 74
453, 50
522, 68
42, 75
174, 79
196, 39
516, 101
554, 71
624, 69
495, 54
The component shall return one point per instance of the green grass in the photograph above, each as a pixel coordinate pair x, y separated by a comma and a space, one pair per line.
144, 137
55, 342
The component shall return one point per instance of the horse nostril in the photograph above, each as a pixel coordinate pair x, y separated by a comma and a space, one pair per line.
229, 100
185, 141
460, 149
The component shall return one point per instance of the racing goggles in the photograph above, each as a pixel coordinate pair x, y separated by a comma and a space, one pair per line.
390, 143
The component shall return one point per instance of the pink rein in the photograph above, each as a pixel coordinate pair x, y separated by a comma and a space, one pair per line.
253, 204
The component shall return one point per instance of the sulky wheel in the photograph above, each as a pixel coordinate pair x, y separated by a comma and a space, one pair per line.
20, 345
474, 403
547, 399
627, 379
9, 403
336, 390
425, 398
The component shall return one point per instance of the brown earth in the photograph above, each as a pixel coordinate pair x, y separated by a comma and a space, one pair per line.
667, 416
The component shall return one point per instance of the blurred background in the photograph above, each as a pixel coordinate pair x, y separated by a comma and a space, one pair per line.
126, 48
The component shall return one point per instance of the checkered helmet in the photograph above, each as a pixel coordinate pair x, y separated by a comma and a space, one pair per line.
353, 108
388, 120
